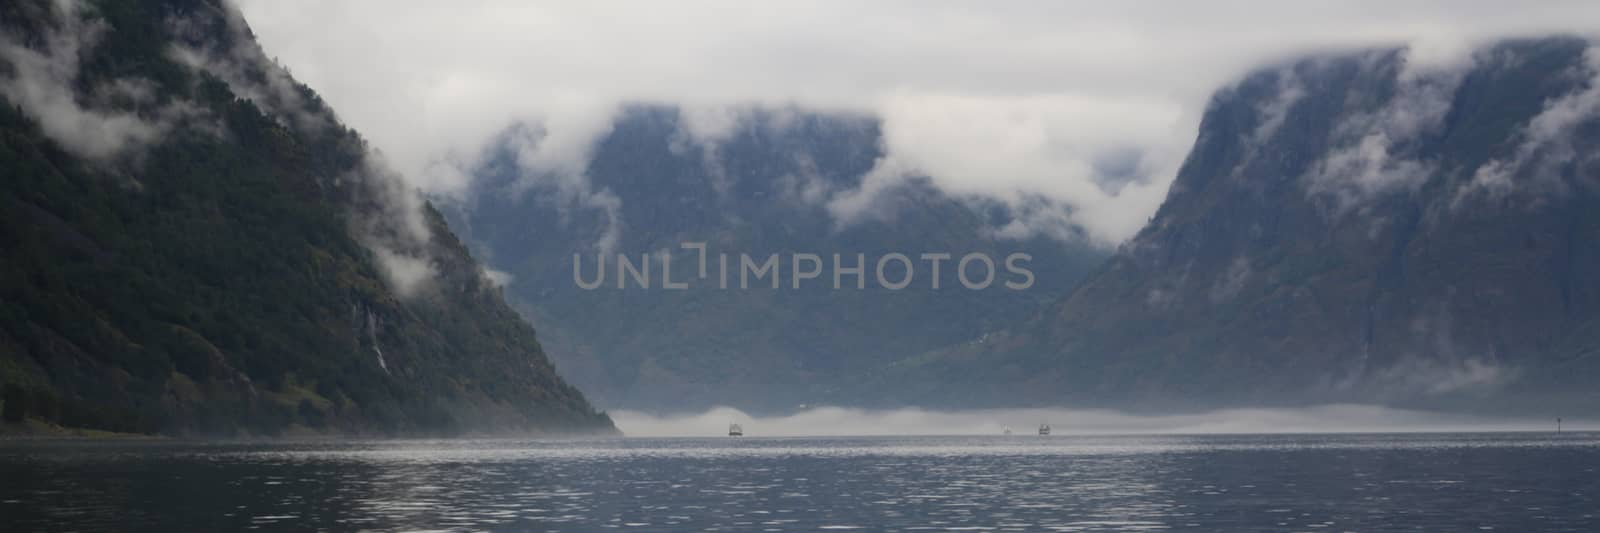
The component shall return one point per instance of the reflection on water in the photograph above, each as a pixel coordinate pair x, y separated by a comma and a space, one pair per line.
1508, 482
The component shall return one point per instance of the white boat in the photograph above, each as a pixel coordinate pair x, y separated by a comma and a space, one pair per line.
735, 430
1008, 430
1044, 430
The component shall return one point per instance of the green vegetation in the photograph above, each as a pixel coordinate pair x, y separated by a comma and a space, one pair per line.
14, 405
213, 281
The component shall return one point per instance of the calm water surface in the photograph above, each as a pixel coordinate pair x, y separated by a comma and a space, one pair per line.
1432, 482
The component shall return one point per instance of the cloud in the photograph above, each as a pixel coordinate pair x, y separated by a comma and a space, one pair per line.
1273, 112
117, 119
238, 61
497, 278
43, 81
1546, 141
1434, 377
1014, 148
406, 274
837, 421
1005, 102
557, 165
389, 215
389, 220
1371, 161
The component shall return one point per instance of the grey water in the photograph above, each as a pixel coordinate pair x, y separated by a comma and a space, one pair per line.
1373, 482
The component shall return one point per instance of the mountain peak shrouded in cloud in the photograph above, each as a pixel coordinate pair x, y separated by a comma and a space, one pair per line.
1332, 237
751, 182
1023, 104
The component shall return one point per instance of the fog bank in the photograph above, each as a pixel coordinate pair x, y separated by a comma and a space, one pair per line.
838, 421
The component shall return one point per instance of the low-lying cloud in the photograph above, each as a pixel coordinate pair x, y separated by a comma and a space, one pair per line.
241, 64
390, 216
43, 82
1016, 103
1040, 146
836, 421
1370, 159
1546, 140
119, 119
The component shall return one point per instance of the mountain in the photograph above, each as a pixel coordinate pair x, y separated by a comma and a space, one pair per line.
1357, 227
757, 181
191, 243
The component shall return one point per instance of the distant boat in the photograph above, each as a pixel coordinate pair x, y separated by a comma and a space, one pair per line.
735, 430
1008, 430
1044, 430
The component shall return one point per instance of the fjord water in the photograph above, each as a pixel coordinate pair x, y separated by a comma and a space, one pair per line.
1435, 482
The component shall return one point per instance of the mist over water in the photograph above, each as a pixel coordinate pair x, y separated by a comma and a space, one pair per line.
841, 421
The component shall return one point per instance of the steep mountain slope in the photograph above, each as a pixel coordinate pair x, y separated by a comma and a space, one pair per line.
1347, 228
758, 185
190, 242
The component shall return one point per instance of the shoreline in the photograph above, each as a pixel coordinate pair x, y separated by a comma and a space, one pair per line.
35, 429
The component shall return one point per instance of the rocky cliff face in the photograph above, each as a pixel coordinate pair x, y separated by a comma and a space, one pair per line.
1354, 227
192, 243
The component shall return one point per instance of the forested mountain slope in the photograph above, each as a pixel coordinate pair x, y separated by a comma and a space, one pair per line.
191, 242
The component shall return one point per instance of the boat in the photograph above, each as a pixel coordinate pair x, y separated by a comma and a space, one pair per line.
1044, 430
1008, 430
735, 430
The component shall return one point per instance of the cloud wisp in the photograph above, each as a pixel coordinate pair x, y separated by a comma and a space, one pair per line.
390, 215
116, 121
1545, 140
42, 81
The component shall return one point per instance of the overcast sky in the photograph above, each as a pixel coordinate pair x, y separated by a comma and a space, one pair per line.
993, 98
